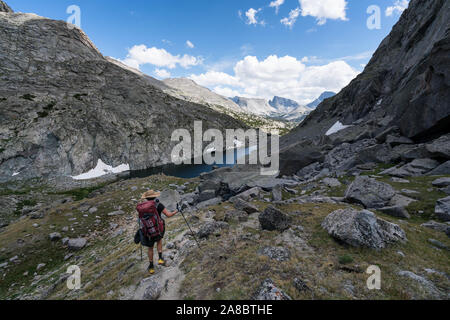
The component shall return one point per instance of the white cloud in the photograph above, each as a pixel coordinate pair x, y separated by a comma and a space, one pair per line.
282, 76
162, 73
324, 9
190, 44
140, 54
398, 7
276, 4
252, 18
214, 78
293, 15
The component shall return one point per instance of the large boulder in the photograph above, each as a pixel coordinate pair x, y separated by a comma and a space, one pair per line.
273, 219
369, 192
298, 157
362, 229
442, 209
268, 291
443, 169
206, 195
440, 147
209, 185
416, 168
441, 183
169, 198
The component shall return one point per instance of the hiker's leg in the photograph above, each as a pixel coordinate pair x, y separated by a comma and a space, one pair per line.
159, 247
150, 254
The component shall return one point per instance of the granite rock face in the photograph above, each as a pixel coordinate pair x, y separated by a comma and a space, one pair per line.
362, 229
405, 86
64, 106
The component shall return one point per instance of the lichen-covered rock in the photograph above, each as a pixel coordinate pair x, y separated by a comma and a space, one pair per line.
362, 229
369, 192
440, 147
153, 290
210, 228
268, 291
276, 253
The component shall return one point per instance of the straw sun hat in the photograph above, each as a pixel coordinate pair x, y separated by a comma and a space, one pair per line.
150, 194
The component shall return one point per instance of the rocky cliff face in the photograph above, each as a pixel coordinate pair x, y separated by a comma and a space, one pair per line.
4, 7
404, 89
63, 106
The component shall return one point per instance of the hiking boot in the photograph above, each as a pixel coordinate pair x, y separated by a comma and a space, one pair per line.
151, 269
161, 262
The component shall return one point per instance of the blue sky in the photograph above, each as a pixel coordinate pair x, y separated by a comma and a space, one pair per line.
233, 53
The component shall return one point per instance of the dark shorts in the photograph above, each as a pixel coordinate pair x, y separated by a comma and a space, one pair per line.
150, 242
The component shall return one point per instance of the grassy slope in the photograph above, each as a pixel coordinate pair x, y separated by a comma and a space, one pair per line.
111, 263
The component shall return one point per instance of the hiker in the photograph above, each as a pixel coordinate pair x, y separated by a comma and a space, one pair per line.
152, 225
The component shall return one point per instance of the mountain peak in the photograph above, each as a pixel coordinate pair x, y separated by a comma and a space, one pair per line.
5, 8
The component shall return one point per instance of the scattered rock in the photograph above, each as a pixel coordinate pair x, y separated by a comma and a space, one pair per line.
236, 215
362, 229
93, 210
441, 227
276, 253
393, 140
426, 284
273, 219
416, 168
438, 244
443, 169
331, 182
252, 193
206, 195
369, 192
55, 236
277, 193
153, 290
210, 228
77, 244
398, 212
116, 213
268, 291
442, 209
440, 147
399, 180
244, 206
300, 285
212, 202
68, 256
441, 183
65, 241
40, 266
209, 185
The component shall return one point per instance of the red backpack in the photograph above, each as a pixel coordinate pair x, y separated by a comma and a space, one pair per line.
152, 225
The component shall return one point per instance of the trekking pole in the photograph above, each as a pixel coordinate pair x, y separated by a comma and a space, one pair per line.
187, 223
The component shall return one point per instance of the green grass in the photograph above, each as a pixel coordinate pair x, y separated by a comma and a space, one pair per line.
345, 259
81, 193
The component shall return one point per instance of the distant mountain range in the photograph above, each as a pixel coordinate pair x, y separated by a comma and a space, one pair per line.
323, 96
279, 107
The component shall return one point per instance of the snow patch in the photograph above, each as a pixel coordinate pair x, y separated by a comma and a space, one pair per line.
102, 169
15, 174
338, 126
